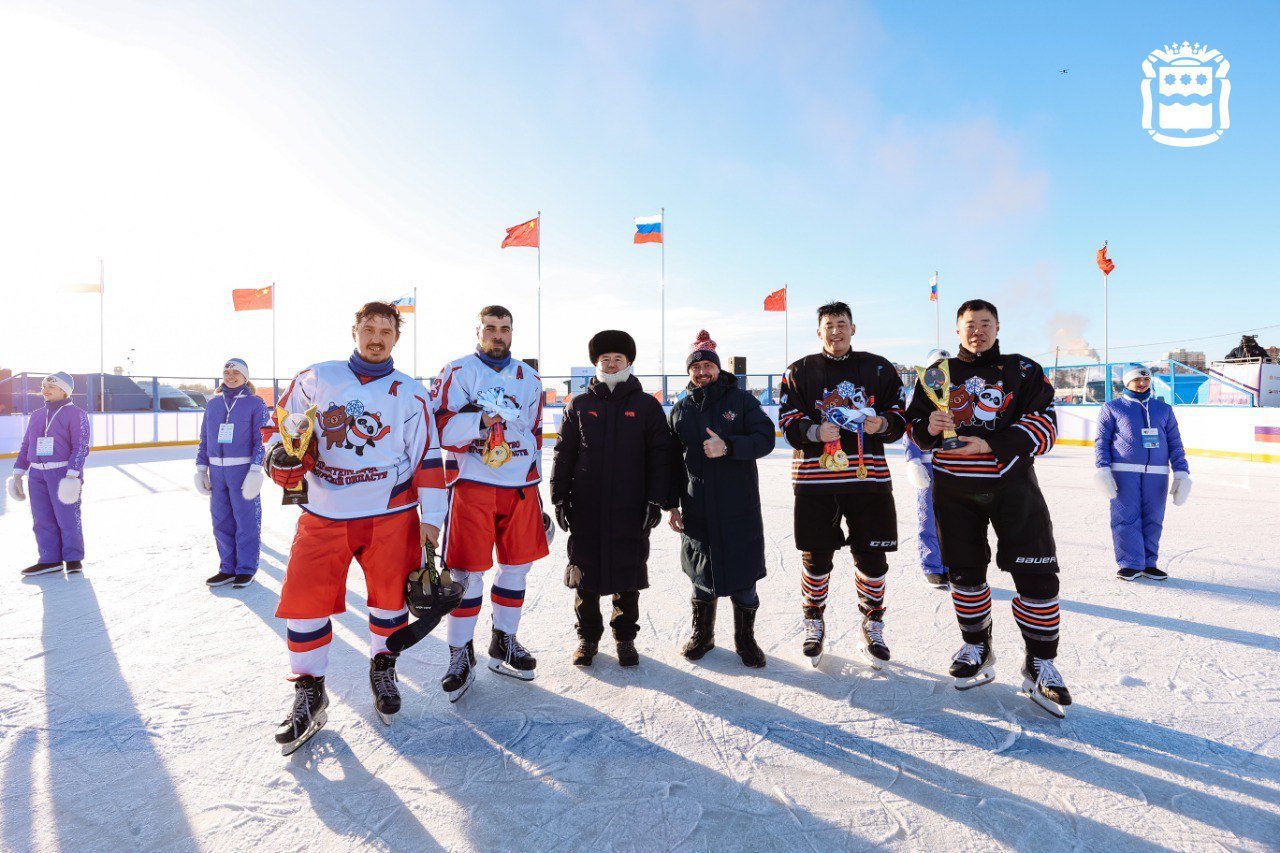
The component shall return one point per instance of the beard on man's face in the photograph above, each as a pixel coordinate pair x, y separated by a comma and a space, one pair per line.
495, 349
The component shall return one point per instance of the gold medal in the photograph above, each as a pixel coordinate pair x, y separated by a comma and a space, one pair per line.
496, 452
862, 472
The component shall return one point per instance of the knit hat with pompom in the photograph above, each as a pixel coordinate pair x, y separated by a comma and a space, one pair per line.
703, 349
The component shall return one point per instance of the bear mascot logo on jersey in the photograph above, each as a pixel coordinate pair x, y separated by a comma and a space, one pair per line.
976, 402
333, 425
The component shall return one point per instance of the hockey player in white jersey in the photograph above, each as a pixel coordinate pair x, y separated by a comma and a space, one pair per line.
373, 462
489, 414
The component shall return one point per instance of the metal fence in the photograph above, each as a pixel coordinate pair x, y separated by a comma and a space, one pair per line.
1077, 384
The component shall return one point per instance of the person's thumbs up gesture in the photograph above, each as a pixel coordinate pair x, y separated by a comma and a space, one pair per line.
714, 447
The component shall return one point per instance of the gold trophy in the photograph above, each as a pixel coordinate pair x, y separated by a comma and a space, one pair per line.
936, 382
297, 431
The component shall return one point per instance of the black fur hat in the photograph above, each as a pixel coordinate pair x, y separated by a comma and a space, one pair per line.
612, 340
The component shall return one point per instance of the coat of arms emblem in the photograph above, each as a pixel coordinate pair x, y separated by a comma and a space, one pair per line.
1185, 95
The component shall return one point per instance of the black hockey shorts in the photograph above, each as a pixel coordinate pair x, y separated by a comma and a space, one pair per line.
1017, 511
869, 515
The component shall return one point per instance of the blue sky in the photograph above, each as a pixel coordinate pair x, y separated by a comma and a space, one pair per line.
848, 150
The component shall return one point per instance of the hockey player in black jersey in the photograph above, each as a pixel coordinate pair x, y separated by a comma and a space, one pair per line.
838, 409
1001, 405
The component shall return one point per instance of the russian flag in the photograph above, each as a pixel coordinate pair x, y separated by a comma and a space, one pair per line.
405, 304
648, 229
933, 288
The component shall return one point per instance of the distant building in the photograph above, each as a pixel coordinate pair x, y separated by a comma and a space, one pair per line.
1191, 358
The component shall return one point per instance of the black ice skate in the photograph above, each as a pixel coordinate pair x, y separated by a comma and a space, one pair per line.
974, 665
508, 657
874, 648
310, 713
1043, 684
382, 681
814, 633
461, 672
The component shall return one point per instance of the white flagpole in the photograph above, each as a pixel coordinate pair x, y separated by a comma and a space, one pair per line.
541, 369
415, 332
937, 312
102, 331
1106, 334
786, 327
662, 287
275, 391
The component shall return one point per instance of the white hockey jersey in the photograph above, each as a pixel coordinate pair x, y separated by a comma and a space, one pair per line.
463, 435
379, 452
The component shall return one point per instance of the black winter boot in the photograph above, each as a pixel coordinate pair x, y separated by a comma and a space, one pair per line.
703, 638
744, 636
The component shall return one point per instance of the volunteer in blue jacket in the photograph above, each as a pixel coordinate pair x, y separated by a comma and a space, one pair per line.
1136, 445
54, 450
229, 471
920, 473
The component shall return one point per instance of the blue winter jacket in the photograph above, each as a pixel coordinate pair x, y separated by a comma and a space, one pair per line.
246, 411
1118, 444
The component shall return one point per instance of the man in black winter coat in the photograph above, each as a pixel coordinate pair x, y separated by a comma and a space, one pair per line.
609, 482
721, 431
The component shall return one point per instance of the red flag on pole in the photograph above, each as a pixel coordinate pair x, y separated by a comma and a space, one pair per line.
524, 234
776, 301
1104, 263
252, 299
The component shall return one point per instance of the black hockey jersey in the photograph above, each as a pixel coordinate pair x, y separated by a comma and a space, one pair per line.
1004, 399
819, 382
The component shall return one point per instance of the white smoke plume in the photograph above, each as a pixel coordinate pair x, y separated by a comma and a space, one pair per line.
1067, 333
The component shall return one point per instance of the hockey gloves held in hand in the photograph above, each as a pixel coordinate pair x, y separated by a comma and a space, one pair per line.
652, 516
917, 474
1106, 482
1180, 487
562, 516
252, 485
69, 490
287, 471
16, 489
204, 485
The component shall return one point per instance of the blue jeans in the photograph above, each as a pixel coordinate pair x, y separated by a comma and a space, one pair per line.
743, 598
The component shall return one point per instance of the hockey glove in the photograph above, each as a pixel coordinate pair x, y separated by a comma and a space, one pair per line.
287, 471
252, 485
69, 490
562, 516
1180, 487
204, 485
917, 474
16, 490
1106, 482
652, 516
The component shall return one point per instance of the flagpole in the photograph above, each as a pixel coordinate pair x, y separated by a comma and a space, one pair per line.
937, 313
275, 391
415, 332
662, 288
102, 328
786, 327
541, 369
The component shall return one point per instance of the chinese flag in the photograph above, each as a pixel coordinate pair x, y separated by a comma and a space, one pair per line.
776, 301
524, 234
1104, 263
254, 299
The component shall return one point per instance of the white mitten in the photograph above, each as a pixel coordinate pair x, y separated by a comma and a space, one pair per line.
16, 488
69, 490
252, 485
917, 474
204, 485
1106, 482
1180, 487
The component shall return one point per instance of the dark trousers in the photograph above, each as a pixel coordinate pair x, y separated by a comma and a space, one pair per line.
743, 598
625, 620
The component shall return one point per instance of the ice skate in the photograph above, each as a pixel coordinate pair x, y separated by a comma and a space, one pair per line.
974, 665
814, 635
874, 649
508, 657
310, 713
1043, 684
382, 682
461, 672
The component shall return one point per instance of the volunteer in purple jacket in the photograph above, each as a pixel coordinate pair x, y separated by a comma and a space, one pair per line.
53, 451
920, 473
229, 471
1136, 445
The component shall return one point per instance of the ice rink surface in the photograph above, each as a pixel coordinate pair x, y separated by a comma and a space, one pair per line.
137, 707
